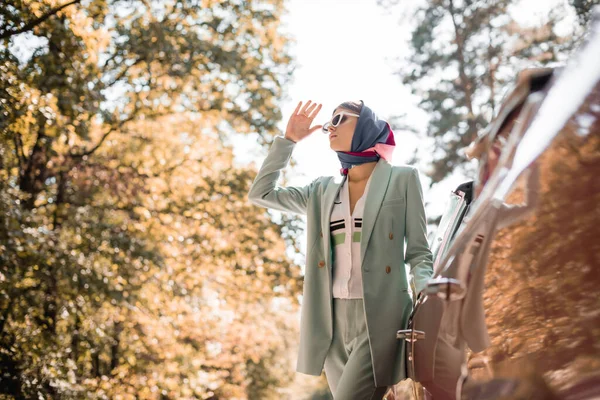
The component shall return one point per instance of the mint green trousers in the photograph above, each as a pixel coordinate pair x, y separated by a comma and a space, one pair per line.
348, 365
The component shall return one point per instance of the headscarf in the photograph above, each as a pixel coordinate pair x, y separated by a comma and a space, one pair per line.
373, 139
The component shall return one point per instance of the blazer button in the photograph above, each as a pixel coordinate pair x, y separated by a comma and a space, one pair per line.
321, 264
388, 269
391, 235
321, 234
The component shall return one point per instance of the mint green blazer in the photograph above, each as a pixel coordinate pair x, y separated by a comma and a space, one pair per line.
393, 219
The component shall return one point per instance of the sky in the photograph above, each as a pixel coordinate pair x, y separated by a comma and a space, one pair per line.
346, 50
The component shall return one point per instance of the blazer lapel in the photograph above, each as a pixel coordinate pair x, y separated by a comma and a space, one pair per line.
329, 197
377, 189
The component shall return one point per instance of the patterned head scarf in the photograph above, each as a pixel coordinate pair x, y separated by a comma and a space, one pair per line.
373, 139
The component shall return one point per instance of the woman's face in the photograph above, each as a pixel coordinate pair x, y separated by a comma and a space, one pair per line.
340, 137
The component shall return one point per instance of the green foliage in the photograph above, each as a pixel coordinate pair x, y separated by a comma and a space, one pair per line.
583, 8
463, 56
131, 264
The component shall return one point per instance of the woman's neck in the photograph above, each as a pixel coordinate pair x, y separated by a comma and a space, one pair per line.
361, 172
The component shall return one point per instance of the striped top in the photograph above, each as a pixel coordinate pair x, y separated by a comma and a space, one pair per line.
346, 233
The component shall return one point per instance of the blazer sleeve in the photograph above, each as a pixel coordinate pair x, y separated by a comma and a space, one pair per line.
265, 192
418, 253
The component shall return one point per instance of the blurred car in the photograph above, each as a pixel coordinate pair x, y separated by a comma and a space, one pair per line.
513, 309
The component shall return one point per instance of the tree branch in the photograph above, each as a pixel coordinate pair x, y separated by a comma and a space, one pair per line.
103, 138
123, 73
32, 24
114, 128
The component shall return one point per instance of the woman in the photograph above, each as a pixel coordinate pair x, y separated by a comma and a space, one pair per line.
356, 295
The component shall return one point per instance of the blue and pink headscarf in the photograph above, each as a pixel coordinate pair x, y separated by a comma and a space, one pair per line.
373, 139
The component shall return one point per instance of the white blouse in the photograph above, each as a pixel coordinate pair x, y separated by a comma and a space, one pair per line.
346, 233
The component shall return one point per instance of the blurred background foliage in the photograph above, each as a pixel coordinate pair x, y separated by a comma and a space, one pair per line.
131, 264
464, 54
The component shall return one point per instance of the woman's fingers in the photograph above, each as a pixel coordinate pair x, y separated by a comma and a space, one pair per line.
314, 113
297, 108
303, 110
310, 109
298, 128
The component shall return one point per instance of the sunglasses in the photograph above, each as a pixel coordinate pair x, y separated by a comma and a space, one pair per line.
338, 119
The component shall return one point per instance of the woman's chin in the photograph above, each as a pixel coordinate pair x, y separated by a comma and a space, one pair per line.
337, 148
334, 146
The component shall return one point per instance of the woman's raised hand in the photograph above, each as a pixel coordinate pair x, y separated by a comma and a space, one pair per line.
298, 126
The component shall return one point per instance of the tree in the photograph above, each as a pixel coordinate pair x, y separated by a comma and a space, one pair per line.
131, 264
155, 59
463, 55
583, 8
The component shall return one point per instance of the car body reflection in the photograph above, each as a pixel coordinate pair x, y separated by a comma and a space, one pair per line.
513, 310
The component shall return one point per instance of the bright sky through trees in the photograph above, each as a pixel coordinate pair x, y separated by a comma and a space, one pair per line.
348, 50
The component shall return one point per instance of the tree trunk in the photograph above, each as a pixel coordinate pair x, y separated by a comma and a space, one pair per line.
5, 315
114, 349
466, 84
10, 373
60, 199
492, 74
50, 304
96, 364
32, 177
75, 338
